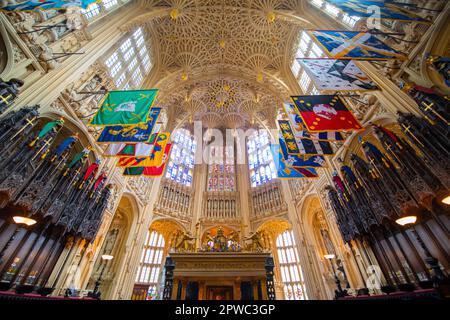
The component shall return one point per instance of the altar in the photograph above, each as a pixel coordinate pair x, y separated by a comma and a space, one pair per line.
219, 276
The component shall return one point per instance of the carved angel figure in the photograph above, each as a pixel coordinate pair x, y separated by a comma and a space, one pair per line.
184, 242
256, 242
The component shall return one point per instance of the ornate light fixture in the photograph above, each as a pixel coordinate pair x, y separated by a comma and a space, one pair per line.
446, 200
24, 220
174, 13
107, 257
329, 256
403, 221
222, 43
270, 17
259, 77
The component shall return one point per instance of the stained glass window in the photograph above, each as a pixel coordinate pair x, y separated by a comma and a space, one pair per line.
221, 169
150, 265
181, 162
290, 269
260, 160
130, 62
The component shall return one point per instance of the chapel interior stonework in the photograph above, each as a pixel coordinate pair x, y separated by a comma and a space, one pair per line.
287, 150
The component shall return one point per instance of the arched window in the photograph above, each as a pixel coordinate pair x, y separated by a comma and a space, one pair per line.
221, 170
181, 163
307, 48
260, 161
109, 3
150, 264
333, 11
290, 269
91, 11
130, 62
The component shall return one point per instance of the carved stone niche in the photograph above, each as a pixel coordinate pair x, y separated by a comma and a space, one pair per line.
364, 105
3, 53
10, 55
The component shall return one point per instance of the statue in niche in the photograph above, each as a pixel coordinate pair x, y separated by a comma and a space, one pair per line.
184, 242
9, 90
220, 241
340, 271
74, 20
47, 58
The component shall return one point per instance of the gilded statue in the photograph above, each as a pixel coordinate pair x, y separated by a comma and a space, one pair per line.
184, 242
208, 237
234, 236
220, 241
256, 242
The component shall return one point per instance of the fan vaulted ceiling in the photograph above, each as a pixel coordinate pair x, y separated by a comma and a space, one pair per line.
219, 61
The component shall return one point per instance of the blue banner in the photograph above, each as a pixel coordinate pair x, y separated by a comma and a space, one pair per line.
284, 171
297, 160
39, 5
139, 133
354, 45
389, 11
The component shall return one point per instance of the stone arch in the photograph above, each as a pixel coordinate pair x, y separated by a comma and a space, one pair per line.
318, 237
116, 243
309, 211
271, 229
275, 226
437, 45
168, 228
7, 58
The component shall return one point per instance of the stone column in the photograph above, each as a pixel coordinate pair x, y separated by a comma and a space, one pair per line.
243, 187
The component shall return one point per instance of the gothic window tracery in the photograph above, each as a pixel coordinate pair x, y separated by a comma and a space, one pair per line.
181, 163
307, 48
150, 263
130, 62
290, 269
109, 3
260, 160
92, 11
334, 12
100, 8
221, 170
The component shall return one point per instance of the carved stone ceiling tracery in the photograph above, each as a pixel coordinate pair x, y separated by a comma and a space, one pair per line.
221, 61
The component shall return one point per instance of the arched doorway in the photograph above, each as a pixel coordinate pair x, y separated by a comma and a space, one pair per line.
112, 256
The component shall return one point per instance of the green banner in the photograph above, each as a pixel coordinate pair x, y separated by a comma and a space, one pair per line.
125, 107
